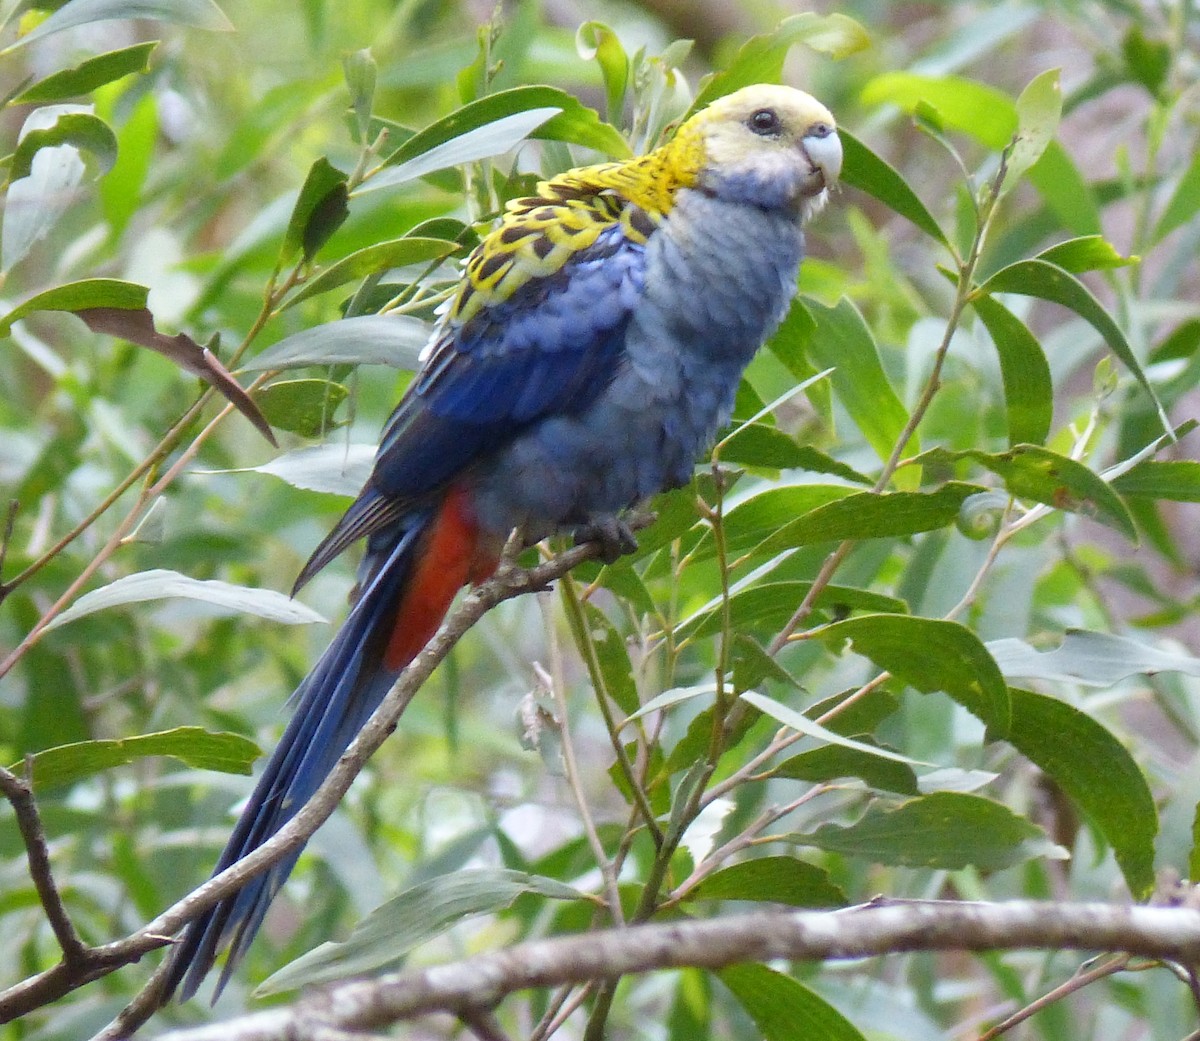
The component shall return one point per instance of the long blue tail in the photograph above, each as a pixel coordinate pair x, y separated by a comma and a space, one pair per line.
332, 704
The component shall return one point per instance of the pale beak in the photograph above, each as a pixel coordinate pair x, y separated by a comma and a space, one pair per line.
823, 149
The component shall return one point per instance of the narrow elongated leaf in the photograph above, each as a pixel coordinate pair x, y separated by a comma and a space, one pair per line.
1174, 479
931, 654
984, 112
863, 169
789, 717
784, 1010
1065, 191
1089, 658
378, 257
843, 342
1086, 253
482, 142
1039, 109
770, 604
80, 130
1028, 387
418, 914
832, 762
80, 296
1037, 473
201, 14
88, 75
137, 326
1096, 771
304, 407
195, 746
760, 59
866, 515
373, 339
160, 584
944, 830
320, 209
778, 879
334, 468
595, 41
1047, 281
117, 308
1184, 203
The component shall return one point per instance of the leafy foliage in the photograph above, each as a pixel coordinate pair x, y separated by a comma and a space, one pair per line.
953, 470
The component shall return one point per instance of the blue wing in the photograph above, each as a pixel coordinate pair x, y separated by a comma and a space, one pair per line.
548, 349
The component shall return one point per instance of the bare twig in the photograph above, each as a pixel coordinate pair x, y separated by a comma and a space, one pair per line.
873, 929
557, 684
1077, 982
19, 792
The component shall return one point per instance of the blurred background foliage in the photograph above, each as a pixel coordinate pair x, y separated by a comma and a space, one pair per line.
179, 166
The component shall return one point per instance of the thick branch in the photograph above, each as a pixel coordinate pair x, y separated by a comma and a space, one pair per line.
481, 982
93, 962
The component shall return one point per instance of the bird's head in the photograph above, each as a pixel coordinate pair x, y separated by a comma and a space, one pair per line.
765, 145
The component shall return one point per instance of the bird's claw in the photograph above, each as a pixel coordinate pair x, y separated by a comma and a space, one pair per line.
614, 536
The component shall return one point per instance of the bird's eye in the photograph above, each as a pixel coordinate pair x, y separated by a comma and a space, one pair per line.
765, 122
820, 130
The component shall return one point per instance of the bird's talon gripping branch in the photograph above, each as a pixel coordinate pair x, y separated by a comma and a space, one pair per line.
614, 535
590, 353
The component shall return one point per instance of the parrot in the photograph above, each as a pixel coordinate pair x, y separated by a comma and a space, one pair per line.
590, 352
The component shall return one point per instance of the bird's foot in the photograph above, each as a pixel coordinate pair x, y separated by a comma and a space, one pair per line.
614, 535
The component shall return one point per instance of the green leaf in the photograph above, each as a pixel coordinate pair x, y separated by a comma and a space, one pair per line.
799, 722
304, 407
778, 879
947, 831
160, 584
80, 296
319, 211
418, 914
612, 658
337, 469
1063, 188
122, 188
1039, 109
198, 748
1148, 60
1099, 775
361, 72
760, 59
370, 260
495, 123
832, 762
88, 75
45, 171
931, 654
768, 605
784, 1010
1028, 387
200, 14
595, 41
374, 339
1183, 205
984, 112
868, 515
864, 170
1089, 658
1046, 281
843, 342
1037, 473
1175, 479
1086, 253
